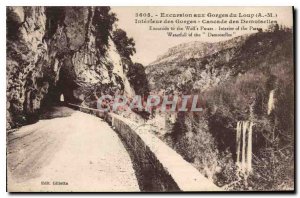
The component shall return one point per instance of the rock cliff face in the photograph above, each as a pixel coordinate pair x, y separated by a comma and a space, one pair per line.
194, 65
53, 51
199, 67
196, 49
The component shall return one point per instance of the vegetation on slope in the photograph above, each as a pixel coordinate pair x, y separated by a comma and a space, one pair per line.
240, 81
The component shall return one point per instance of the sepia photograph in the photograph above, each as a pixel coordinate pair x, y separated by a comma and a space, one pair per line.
150, 99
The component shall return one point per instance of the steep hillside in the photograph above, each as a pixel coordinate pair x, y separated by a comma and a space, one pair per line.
196, 49
60, 50
188, 63
249, 82
199, 66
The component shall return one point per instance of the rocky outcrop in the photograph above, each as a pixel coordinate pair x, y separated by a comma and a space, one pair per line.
199, 66
194, 65
26, 54
196, 49
52, 51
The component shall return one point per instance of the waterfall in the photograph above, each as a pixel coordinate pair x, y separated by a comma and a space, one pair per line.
271, 104
56, 62
244, 146
244, 128
238, 141
249, 147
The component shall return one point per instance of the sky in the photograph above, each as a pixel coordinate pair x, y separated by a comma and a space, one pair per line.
151, 44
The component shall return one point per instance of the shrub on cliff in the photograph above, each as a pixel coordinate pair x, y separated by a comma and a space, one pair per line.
125, 45
103, 21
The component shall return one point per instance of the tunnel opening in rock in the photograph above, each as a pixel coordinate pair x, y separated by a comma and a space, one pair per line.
67, 82
64, 86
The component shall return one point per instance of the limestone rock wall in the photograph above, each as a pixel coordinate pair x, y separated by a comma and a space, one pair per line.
52, 50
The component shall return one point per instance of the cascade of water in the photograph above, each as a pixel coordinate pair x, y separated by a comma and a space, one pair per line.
271, 104
244, 146
249, 147
244, 128
238, 141
56, 62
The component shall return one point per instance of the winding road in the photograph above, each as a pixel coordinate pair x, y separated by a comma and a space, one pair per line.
71, 151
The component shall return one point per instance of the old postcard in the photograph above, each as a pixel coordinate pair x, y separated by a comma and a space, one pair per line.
150, 99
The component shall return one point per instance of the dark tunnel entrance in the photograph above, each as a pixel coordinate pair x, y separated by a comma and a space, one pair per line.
64, 86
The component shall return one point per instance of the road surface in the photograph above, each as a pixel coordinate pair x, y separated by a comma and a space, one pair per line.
79, 152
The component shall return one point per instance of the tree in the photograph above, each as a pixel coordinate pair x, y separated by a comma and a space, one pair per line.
103, 21
125, 45
138, 79
273, 27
